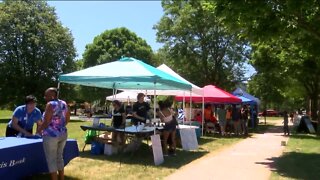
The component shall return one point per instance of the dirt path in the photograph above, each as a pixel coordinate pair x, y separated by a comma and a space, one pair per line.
248, 159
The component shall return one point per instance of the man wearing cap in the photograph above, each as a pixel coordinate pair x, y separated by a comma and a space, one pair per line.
23, 118
140, 110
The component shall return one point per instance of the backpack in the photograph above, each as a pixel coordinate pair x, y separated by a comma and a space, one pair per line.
90, 134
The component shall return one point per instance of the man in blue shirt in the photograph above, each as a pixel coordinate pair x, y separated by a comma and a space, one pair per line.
23, 118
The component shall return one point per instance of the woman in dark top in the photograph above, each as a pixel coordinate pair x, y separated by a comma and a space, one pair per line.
118, 121
236, 119
168, 117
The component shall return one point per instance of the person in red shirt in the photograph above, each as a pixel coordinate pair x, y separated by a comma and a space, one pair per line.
209, 118
198, 117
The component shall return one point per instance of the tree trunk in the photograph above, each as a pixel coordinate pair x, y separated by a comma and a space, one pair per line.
75, 108
318, 128
314, 107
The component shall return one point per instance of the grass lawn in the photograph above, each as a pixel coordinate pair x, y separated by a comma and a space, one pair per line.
5, 114
300, 160
138, 165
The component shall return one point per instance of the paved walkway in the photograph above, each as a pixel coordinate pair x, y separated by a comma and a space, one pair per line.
248, 159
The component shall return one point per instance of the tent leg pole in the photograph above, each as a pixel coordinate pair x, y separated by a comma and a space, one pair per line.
58, 88
184, 108
190, 109
154, 102
202, 115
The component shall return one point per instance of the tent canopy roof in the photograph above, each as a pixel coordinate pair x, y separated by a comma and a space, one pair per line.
241, 92
124, 96
195, 89
245, 100
212, 94
126, 73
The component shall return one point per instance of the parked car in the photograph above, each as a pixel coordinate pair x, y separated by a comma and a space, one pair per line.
270, 112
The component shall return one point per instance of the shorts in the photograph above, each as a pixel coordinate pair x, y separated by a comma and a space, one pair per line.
53, 149
171, 126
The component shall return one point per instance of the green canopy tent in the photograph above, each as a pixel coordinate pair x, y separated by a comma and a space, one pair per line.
126, 73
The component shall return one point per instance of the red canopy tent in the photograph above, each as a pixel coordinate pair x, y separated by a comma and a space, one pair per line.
212, 94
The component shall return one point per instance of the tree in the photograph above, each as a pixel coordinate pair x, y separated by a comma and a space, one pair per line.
34, 49
292, 25
109, 46
198, 45
112, 44
260, 20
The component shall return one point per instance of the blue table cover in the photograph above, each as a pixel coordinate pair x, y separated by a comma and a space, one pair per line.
21, 157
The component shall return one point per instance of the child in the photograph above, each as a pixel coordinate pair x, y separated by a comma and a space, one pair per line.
286, 123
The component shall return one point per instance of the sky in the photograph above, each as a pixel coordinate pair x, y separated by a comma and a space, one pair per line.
87, 19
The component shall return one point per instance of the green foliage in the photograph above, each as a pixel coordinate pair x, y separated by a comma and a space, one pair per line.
112, 44
34, 49
260, 20
286, 40
109, 46
198, 46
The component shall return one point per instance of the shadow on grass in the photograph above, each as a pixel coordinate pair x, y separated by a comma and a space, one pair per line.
297, 165
76, 120
47, 176
144, 156
304, 136
4, 120
262, 128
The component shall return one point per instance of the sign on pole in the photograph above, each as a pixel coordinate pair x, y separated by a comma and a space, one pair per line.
157, 149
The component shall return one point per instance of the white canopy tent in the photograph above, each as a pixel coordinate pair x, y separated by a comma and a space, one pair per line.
125, 96
195, 90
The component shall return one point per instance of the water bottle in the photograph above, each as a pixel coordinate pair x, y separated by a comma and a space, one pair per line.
19, 135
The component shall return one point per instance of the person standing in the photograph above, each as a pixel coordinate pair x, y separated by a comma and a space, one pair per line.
169, 130
54, 132
244, 119
140, 110
286, 123
222, 116
229, 120
209, 120
23, 119
236, 119
118, 121
254, 114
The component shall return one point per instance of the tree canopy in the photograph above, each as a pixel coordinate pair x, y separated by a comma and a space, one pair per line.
34, 49
112, 44
109, 46
288, 32
199, 46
